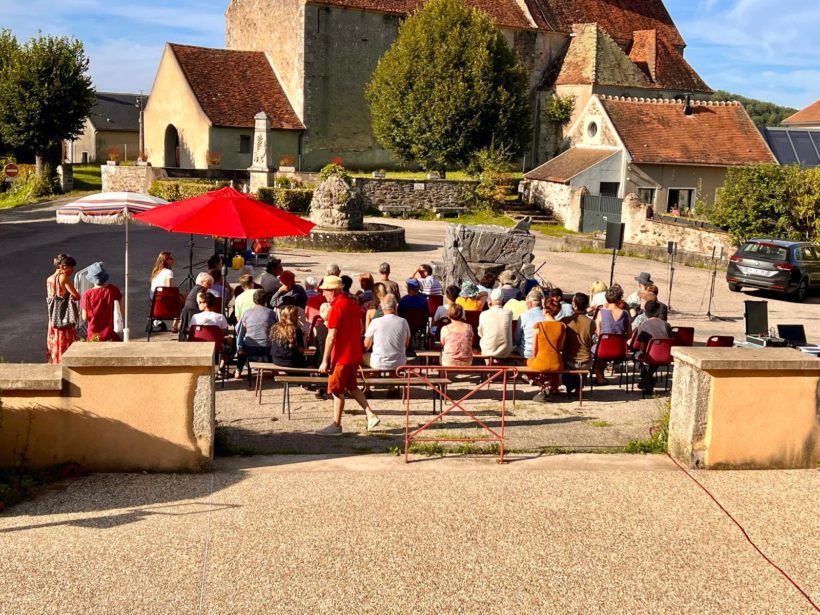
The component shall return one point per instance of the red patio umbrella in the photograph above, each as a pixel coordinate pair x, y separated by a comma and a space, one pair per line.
226, 213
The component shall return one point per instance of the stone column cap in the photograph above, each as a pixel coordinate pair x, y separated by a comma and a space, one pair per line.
30, 377
139, 354
747, 359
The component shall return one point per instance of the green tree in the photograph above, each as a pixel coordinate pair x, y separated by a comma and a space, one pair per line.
769, 200
45, 93
762, 113
448, 86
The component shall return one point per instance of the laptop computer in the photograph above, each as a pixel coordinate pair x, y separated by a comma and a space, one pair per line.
795, 335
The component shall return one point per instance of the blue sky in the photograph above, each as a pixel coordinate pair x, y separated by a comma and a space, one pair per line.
766, 49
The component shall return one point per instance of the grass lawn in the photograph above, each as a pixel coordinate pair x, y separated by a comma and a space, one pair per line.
87, 179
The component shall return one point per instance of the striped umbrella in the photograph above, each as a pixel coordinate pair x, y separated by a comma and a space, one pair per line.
110, 208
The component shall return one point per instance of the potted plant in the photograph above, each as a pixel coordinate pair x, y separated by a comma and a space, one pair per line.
142, 158
213, 158
113, 154
286, 164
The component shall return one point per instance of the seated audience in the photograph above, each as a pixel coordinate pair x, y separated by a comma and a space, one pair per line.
217, 289
365, 294
287, 339
525, 331
384, 277
578, 341
566, 308
652, 328
456, 339
597, 295
270, 279
430, 284
375, 309
468, 298
664, 313
388, 337
97, 305
320, 333
347, 284
548, 342
208, 316
413, 299
450, 297
643, 280
215, 262
333, 269
289, 288
253, 330
191, 306
244, 300
246, 270
613, 317
495, 328
314, 300
311, 285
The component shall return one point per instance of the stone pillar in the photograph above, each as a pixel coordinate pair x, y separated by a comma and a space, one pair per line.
575, 217
66, 174
262, 172
471, 251
633, 215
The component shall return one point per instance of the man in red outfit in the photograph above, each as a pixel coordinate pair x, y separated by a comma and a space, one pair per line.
343, 350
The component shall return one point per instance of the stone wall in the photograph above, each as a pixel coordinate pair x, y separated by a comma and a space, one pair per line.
640, 230
471, 251
131, 178
414, 194
560, 199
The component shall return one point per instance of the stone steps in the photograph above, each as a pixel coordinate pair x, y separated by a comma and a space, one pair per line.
518, 209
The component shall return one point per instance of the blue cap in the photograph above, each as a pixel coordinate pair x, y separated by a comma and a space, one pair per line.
413, 283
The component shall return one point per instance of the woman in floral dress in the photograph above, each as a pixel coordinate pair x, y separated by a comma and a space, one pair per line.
57, 285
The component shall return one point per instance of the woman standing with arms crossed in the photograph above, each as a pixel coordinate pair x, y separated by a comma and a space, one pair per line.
60, 289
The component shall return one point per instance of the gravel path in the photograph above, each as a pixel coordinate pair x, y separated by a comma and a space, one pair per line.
580, 533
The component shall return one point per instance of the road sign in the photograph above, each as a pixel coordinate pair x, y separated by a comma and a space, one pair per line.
11, 170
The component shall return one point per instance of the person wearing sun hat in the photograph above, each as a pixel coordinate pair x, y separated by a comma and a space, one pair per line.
98, 303
468, 299
343, 354
644, 279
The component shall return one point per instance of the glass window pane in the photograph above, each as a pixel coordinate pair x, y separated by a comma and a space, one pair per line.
782, 147
805, 149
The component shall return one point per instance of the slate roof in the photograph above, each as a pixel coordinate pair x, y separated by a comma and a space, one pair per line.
506, 13
570, 163
657, 131
117, 112
619, 18
809, 115
233, 86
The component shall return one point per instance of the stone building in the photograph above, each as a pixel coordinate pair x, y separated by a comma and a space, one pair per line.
323, 53
112, 128
670, 153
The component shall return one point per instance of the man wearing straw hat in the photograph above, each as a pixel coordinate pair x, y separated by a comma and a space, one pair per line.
343, 350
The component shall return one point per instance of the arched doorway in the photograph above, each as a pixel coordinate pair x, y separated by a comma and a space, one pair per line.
171, 146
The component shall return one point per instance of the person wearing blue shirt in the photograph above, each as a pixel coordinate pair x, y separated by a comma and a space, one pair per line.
525, 331
413, 299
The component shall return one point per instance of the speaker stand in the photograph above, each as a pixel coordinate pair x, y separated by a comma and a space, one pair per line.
612, 268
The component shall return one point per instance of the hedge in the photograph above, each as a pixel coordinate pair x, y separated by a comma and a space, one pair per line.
178, 189
294, 200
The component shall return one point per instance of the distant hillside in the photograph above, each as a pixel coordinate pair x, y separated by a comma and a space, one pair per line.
762, 113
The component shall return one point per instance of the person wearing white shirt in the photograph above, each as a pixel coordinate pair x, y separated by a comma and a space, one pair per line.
206, 302
388, 337
430, 284
495, 328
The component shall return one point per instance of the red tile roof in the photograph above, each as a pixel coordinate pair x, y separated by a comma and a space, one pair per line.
809, 115
657, 131
664, 64
567, 165
619, 18
505, 13
233, 86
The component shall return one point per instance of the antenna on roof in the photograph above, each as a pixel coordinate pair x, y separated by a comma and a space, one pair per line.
687, 105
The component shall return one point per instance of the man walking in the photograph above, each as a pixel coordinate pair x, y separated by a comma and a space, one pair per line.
343, 350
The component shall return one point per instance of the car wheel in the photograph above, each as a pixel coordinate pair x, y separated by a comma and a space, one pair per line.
735, 288
802, 291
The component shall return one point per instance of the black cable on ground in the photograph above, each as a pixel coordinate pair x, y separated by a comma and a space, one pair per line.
746, 535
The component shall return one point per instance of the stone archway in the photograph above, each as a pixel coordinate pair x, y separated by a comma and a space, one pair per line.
171, 146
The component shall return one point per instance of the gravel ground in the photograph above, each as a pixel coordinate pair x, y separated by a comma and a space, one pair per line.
579, 533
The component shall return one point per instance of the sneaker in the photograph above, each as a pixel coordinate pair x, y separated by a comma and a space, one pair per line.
331, 430
372, 422
540, 396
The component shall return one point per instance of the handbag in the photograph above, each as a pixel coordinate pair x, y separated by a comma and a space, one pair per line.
63, 311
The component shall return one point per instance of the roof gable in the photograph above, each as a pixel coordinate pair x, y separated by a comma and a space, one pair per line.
663, 64
619, 18
117, 112
233, 86
505, 13
657, 131
593, 57
809, 115
570, 163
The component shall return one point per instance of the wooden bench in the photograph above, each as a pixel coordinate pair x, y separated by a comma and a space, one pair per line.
444, 211
394, 209
583, 373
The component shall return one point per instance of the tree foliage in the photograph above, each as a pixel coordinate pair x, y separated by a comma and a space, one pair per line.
770, 200
45, 91
762, 113
448, 86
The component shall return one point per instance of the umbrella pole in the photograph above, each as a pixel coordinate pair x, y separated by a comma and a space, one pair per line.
126, 333
225, 278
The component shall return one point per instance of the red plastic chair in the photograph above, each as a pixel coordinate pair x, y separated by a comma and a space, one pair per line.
166, 304
471, 318
658, 354
683, 336
720, 341
435, 332
417, 318
215, 335
311, 336
434, 302
611, 347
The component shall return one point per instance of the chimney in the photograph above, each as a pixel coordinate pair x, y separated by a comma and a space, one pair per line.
687, 105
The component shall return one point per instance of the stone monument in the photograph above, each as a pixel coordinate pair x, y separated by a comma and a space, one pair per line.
336, 205
472, 251
261, 169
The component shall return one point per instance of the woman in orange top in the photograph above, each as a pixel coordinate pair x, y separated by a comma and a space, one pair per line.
548, 344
